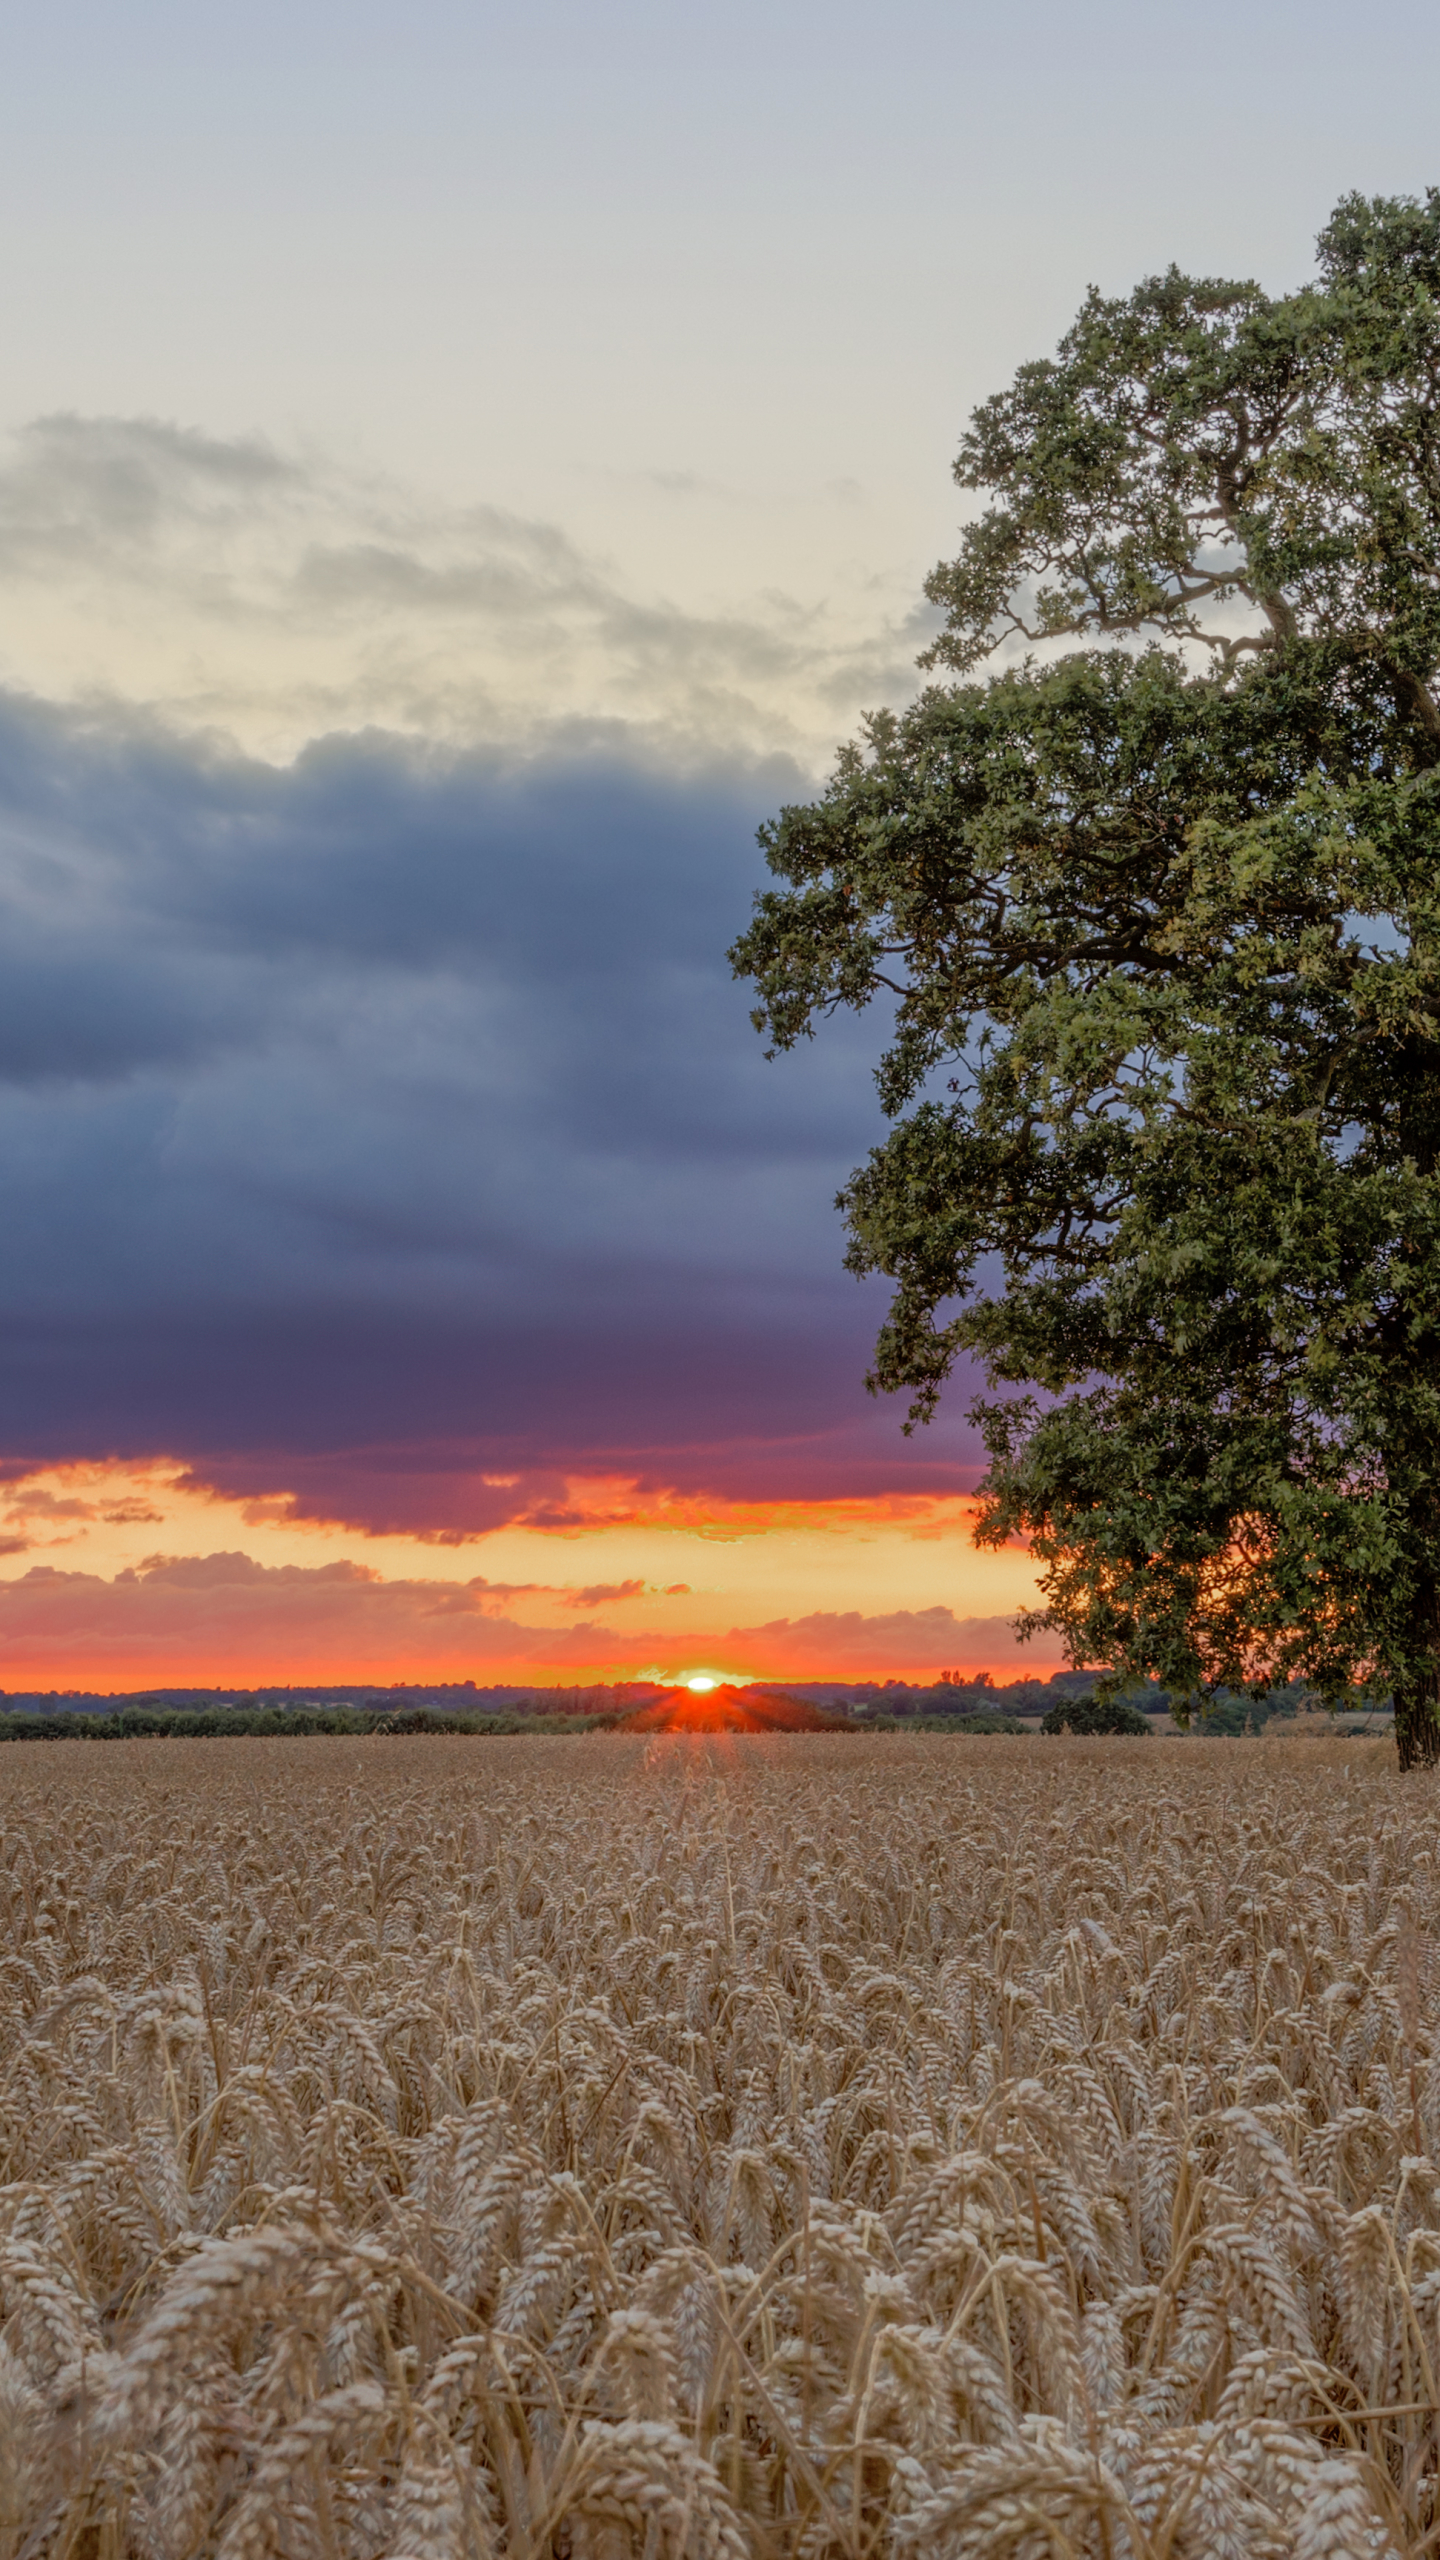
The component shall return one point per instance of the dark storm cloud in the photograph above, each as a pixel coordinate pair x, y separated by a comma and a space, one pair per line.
392, 1120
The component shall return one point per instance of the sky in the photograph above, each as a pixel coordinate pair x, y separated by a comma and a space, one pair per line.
461, 469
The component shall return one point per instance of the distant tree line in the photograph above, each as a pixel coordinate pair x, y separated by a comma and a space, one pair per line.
131, 1723
452, 1696
1067, 1701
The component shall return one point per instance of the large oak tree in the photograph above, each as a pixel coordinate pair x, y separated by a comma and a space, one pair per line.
1159, 912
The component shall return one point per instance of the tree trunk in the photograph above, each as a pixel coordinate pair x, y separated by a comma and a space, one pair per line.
1417, 1723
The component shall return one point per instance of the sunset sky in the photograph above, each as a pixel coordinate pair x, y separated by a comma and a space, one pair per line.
461, 467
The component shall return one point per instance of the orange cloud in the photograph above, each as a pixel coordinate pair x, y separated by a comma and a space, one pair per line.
139, 1577
848, 1645
220, 1619
596, 1594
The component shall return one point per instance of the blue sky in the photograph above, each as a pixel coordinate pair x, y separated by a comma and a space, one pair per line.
460, 468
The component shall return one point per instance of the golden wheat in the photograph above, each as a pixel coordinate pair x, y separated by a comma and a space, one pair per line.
721, 2148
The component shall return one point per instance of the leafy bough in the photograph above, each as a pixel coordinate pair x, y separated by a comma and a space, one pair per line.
1160, 916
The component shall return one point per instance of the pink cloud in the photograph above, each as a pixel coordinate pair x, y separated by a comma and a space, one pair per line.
854, 1646
225, 1618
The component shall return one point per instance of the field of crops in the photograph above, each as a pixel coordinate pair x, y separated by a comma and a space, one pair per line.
827, 2146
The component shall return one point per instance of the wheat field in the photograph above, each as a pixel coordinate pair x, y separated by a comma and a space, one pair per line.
853, 2146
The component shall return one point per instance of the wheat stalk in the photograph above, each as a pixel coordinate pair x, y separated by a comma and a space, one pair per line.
727, 2151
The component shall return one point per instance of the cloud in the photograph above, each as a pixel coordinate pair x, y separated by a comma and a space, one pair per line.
851, 1644
79, 492
225, 1617
388, 1131
228, 585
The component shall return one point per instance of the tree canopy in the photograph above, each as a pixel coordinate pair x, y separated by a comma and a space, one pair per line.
1156, 903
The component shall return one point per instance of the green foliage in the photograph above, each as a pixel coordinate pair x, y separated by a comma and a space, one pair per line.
1226, 1715
1161, 924
985, 1721
1095, 1715
982, 1722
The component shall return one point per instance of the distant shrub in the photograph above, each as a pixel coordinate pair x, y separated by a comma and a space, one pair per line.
984, 1721
1094, 1715
1226, 1715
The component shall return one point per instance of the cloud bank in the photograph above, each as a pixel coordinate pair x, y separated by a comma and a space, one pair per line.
232, 586
386, 1128
223, 1617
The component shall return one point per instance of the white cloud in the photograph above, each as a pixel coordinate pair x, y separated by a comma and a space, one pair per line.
277, 596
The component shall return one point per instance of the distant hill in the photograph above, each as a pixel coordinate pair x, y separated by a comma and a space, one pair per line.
752, 1710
